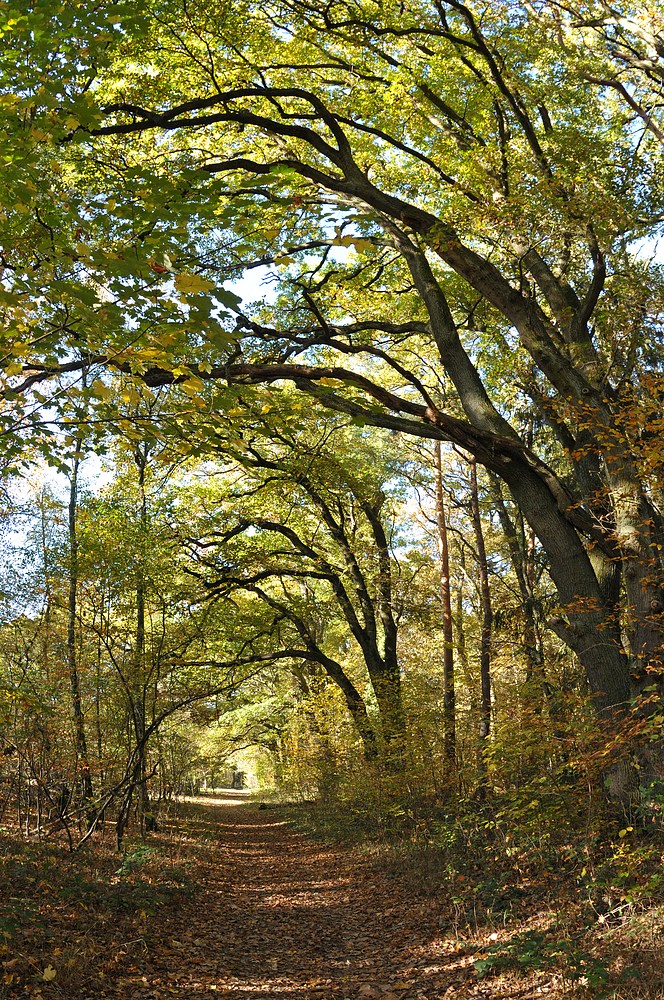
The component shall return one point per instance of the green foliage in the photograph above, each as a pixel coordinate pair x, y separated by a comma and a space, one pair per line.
624, 878
540, 950
15, 911
135, 858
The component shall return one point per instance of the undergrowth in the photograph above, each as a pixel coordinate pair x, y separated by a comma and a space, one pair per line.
76, 917
531, 885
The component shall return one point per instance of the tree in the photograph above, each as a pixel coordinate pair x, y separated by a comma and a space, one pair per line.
103, 619
305, 527
487, 615
83, 757
446, 609
620, 48
444, 202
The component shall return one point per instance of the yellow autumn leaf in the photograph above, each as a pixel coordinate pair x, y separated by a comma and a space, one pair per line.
193, 385
101, 391
149, 353
49, 973
40, 135
131, 396
190, 284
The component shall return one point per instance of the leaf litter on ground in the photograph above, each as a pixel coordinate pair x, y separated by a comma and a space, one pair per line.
230, 900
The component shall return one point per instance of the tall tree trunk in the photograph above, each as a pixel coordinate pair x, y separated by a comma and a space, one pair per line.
449, 692
139, 672
48, 596
98, 725
461, 645
74, 680
383, 666
521, 554
487, 622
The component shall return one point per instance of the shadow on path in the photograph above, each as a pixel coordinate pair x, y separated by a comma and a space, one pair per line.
279, 915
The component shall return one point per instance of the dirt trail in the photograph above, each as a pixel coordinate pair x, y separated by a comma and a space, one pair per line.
281, 916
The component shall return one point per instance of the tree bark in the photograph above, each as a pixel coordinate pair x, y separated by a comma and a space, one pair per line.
139, 707
449, 692
486, 624
72, 607
520, 550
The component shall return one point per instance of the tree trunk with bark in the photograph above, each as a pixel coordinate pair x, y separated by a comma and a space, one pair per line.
139, 675
486, 624
72, 609
449, 692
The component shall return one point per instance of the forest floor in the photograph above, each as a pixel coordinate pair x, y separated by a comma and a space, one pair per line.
230, 900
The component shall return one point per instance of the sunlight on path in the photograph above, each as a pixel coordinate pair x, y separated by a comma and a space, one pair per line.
229, 797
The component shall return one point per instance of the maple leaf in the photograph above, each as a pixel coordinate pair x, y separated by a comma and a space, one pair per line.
190, 284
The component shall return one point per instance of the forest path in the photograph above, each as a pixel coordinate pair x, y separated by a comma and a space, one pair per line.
279, 915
